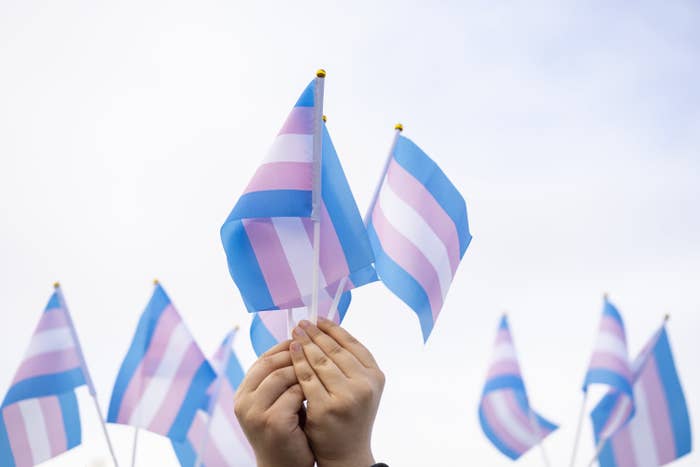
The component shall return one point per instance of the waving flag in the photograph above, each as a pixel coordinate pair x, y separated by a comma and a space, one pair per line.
164, 377
215, 437
419, 231
659, 432
40, 417
270, 327
268, 237
504, 411
610, 366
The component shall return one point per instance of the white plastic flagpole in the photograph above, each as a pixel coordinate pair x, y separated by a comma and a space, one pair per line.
86, 373
133, 446
398, 128
578, 429
290, 323
215, 396
316, 192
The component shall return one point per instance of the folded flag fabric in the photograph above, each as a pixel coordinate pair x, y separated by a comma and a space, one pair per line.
504, 411
659, 431
270, 327
268, 236
164, 377
610, 366
40, 416
215, 437
419, 231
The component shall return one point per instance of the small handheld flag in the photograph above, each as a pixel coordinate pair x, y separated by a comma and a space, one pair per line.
504, 411
164, 377
419, 231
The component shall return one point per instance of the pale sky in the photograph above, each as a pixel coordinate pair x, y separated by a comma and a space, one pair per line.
129, 129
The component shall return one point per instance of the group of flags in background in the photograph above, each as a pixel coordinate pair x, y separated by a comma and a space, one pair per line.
296, 240
642, 420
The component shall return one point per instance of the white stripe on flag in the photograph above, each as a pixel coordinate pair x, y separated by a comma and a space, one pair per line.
227, 442
509, 420
162, 379
50, 341
504, 351
609, 343
411, 225
641, 431
37, 433
291, 148
299, 253
619, 413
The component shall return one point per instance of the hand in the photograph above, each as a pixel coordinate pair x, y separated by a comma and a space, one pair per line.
342, 384
268, 404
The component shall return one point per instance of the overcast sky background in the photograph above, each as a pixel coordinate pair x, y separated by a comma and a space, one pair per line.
129, 129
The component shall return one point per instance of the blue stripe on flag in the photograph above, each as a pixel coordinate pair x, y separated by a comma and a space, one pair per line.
606, 458
342, 209
307, 97
260, 337
610, 310
234, 371
427, 172
54, 302
139, 345
185, 453
196, 394
521, 398
343, 305
244, 267
402, 284
677, 409
272, 203
611, 378
6, 457
488, 431
44, 385
504, 382
71, 418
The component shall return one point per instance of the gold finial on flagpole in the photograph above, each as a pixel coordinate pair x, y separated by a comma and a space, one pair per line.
324, 118
236, 328
667, 316
56, 285
321, 73
155, 282
606, 296
398, 126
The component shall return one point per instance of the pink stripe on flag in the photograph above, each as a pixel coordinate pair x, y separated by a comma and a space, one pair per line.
48, 363
225, 403
499, 429
419, 198
612, 326
53, 417
169, 408
618, 415
332, 258
623, 449
18, 436
197, 436
272, 260
299, 122
521, 416
504, 367
168, 321
503, 337
659, 417
281, 176
54, 318
408, 257
610, 362
275, 322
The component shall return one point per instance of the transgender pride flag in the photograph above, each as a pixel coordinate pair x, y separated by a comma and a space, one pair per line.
659, 431
504, 411
40, 417
271, 327
610, 366
164, 377
419, 231
268, 237
215, 437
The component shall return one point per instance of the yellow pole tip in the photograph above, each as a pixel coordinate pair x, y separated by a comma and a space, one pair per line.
667, 317
605, 296
155, 282
236, 328
325, 119
321, 73
56, 285
398, 127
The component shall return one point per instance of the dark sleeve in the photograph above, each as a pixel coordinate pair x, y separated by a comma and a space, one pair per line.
381, 464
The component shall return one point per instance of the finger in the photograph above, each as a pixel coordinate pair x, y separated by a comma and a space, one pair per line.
348, 342
282, 346
263, 367
310, 384
346, 361
290, 401
273, 386
327, 371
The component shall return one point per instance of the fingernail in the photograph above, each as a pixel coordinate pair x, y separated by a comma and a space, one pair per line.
324, 320
295, 347
298, 332
305, 324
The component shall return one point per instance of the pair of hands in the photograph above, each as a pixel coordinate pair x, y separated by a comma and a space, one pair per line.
342, 384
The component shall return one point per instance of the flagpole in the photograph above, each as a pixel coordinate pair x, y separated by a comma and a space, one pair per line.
316, 192
215, 396
290, 323
578, 428
133, 446
538, 433
86, 373
398, 128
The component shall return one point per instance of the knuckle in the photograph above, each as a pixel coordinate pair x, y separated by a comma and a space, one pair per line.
321, 360
306, 377
336, 349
